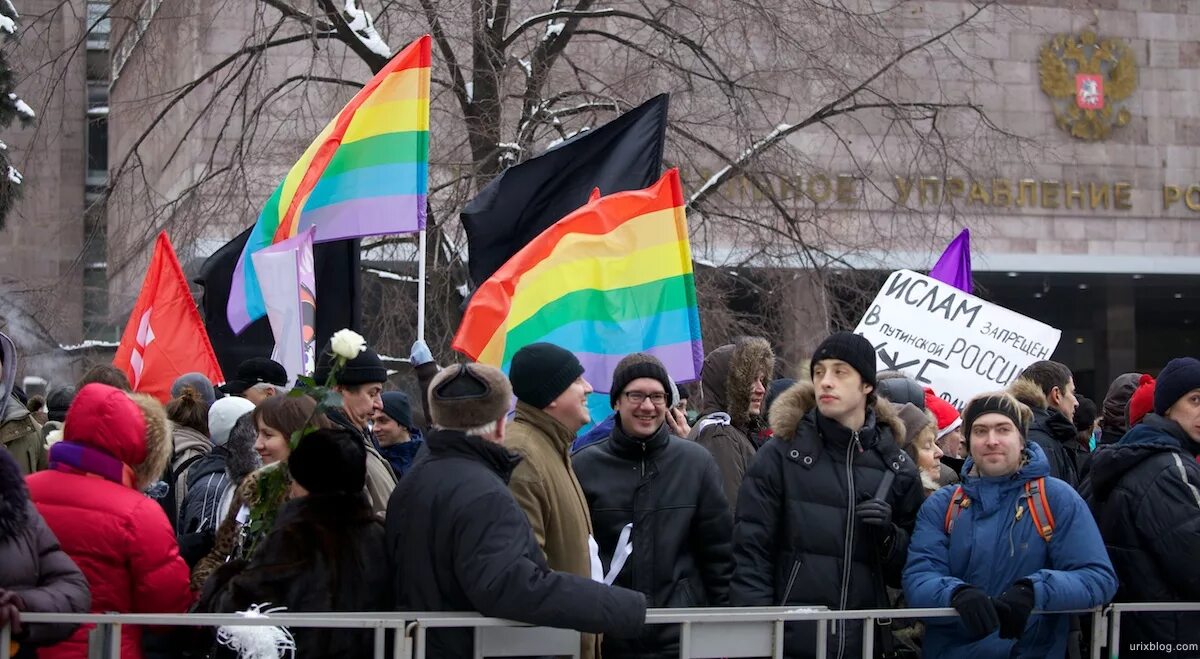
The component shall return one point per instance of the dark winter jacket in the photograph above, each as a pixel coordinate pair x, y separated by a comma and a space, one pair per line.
1050, 429
458, 541
670, 490
207, 482
401, 455
596, 433
1115, 410
381, 480
796, 539
325, 553
33, 565
1145, 494
725, 425
991, 547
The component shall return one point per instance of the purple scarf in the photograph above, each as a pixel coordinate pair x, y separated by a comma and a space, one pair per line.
76, 458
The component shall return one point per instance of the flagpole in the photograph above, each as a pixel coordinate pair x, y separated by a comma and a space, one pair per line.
421, 286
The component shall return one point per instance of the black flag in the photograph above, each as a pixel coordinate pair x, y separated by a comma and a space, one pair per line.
338, 302
525, 200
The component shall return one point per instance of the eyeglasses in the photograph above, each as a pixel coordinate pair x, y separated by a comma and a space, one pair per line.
637, 397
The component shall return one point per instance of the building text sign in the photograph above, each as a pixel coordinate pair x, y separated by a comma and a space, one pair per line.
953, 342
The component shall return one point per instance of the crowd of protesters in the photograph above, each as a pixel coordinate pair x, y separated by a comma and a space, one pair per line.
847, 489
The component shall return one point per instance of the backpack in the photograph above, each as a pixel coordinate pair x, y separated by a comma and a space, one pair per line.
170, 479
1038, 504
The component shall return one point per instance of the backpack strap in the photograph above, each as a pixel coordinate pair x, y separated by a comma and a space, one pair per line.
958, 501
1039, 508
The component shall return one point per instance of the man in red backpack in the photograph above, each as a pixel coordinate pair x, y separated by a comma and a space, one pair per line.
1010, 540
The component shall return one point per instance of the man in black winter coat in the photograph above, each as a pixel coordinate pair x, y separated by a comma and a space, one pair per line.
458, 541
817, 521
1048, 388
658, 509
1145, 493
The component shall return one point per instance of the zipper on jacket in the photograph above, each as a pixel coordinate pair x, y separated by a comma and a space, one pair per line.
848, 552
787, 592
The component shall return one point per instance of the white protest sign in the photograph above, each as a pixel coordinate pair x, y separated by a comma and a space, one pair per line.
946, 339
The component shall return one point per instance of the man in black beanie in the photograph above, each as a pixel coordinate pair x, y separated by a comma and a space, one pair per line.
660, 497
360, 382
551, 408
1143, 492
833, 468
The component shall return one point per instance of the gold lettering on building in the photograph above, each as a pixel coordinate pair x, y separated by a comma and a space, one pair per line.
1049, 194
1027, 192
1072, 192
1099, 195
977, 194
1122, 196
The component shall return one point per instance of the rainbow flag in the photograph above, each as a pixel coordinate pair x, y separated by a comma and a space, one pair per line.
611, 278
366, 174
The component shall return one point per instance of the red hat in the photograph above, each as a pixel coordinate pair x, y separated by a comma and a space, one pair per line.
1141, 402
945, 413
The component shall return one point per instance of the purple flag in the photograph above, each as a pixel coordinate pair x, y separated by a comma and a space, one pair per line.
954, 267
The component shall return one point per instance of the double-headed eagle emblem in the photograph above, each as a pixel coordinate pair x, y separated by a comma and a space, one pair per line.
1086, 80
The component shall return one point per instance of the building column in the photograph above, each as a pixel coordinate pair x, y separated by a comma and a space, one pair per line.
806, 321
1120, 328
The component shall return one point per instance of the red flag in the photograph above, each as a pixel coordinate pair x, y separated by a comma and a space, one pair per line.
165, 337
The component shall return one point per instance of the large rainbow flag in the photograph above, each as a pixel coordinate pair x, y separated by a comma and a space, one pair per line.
366, 174
611, 278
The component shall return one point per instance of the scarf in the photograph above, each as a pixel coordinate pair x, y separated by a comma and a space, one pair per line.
75, 458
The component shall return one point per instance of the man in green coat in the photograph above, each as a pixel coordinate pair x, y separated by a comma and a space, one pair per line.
551, 408
19, 433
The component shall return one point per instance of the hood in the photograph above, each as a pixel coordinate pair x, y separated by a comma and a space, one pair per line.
1115, 412
1028, 392
14, 498
158, 441
1034, 464
106, 418
185, 439
793, 404
8, 361
1111, 462
728, 373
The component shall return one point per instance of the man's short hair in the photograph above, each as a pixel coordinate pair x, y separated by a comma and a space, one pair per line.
262, 387
1047, 375
105, 374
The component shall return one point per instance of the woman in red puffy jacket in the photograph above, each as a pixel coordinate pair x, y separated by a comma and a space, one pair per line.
114, 445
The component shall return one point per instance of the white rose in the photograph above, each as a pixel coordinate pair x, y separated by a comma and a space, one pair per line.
347, 343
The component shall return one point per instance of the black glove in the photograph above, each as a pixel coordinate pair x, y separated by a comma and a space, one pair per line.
976, 611
10, 611
874, 512
1013, 607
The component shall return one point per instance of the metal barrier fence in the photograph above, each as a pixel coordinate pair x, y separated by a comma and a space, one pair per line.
704, 633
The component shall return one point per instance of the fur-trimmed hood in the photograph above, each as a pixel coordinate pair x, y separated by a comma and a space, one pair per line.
14, 497
789, 409
1029, 393
728, 374
159, 441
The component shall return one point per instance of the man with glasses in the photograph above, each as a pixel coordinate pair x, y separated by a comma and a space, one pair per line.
661, 520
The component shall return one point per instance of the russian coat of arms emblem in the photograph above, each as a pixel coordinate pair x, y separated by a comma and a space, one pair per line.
1087, 80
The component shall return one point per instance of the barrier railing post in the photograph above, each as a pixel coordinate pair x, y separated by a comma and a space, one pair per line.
777, 641
685, 640
822, 640
868, 639
1099, 629
380, 641
420, 650
1114, 642
5, 642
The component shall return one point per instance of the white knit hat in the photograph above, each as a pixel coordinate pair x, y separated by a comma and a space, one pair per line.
223, 414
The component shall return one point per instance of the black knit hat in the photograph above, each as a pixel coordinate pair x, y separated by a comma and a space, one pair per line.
852, 349
1000, 403
398, 409
329, 461
645, 366
366, 368
540, 372
1178, 377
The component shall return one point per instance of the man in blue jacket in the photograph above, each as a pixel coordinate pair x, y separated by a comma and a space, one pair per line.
1010, 541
